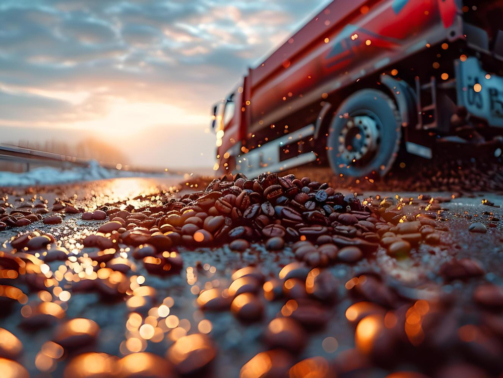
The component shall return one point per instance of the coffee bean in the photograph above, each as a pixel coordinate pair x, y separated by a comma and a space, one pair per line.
356, 312
321, 286
408, 227
44, 314
159, 241
286, 334
243, 200
22, 222
109, 227
11, 347
317, 366
243, 285
308, 313
365, 246
273, 230
347, 219
291, 214
213, 224
247, 307
223, 207
275, 244
252, 211
321, 196
490, 296
350, 255
313, 232
373, 290
294, 288
56, 254
399, 248
239, 245
294, 270
291, 234
192, 354
143, 251
461, 269
269, 364
189, 229
143, 365
99, 215
262, 220
39, 242
76, 333
13, 369
272, 192
310, 205
461, 370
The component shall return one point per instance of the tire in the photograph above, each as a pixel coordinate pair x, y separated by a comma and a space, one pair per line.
365, 135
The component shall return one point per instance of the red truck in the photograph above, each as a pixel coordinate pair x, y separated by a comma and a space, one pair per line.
364, 80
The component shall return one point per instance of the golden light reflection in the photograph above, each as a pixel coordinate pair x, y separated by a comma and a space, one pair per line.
330, 344
52, 350
91, 365
367, 331
147, 331
10, 345
80, 326
144, 365
172, 321
205, 326
258, 366
196, 343
413, 322
316, 367
134, 344
359, 310
12, 369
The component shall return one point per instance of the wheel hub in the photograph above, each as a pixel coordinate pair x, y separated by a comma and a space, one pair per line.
359, 139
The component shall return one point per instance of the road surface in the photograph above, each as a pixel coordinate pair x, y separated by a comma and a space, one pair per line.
414, 277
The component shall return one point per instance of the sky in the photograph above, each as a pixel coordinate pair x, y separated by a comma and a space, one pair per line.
140, 74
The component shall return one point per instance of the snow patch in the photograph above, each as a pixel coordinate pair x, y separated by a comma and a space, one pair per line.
49, 175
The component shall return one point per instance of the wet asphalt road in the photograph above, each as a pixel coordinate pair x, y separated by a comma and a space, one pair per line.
237, 342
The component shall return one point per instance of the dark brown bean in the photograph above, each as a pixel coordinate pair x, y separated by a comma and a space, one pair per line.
239, 245
55, 219
286, 334
247, 307
273, 230
275, 244
350, 255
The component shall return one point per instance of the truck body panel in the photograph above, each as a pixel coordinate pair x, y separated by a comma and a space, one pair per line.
322, 67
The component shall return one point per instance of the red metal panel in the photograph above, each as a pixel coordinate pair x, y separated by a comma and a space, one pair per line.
448, 9
315, 29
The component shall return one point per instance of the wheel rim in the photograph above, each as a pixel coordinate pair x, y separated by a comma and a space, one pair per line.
359, 139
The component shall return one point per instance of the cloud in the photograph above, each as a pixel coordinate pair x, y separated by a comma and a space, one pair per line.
77, 63
87, 31
142, 35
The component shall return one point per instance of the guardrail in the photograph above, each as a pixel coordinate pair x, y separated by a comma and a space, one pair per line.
30, 157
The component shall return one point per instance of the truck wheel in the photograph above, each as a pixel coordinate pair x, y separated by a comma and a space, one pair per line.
364, 135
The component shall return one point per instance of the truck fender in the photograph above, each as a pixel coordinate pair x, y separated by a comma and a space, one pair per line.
321, 119
405, 99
